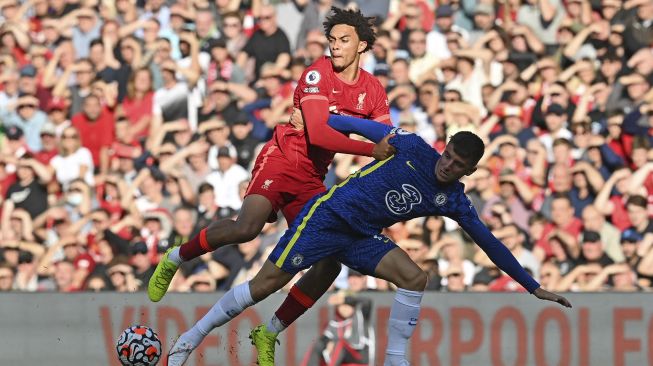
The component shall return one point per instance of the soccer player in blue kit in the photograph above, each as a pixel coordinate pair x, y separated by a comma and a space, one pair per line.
346, 223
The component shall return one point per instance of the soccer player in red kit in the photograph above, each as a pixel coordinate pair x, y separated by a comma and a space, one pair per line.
290, 168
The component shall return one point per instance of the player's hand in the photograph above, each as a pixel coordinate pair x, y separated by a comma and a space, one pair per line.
296, 119
383, 149
543, 294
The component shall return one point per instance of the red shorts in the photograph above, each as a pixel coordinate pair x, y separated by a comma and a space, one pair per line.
282, 182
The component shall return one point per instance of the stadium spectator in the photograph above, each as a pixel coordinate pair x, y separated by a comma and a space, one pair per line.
226, 178
347, 338
74, 161
142, 264
121, 275
6, 277
268, 44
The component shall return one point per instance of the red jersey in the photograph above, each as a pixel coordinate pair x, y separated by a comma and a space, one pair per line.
289, 169
137, 109
619, 216
44, 157
573, 228
365, 97
95, 134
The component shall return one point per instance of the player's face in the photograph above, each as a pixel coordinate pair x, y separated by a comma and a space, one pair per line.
451, 166
345, 46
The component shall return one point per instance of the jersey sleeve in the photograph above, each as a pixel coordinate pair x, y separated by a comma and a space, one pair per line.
405, 141
371, 130
470, 222
375, 131
311, 98
313, 85
381, 111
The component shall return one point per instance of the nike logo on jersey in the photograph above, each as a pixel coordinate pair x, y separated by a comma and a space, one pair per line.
412, 321
381, 238
410, 164
335, 91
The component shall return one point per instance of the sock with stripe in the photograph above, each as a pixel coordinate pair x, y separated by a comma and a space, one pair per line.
403, 320
295, 304
194, 247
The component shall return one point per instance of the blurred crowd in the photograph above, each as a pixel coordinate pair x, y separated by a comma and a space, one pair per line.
128, 125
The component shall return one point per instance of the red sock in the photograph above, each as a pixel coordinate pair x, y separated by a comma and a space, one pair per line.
195, 247
294, 306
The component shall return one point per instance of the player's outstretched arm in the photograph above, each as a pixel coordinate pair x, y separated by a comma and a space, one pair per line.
497, 252
543, 294
371, 130
504, 259
377, 132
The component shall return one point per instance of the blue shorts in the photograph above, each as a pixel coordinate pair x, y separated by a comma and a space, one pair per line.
317, 233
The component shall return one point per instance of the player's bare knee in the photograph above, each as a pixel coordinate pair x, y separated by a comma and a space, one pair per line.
326, 268
247, 231
257, 290
332, 269
423, 281
416, 282
262, 286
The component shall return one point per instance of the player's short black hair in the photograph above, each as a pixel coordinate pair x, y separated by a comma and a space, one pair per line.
362, 24
468, 146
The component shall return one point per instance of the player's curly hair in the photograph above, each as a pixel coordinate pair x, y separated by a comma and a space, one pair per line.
362, 24
468, 146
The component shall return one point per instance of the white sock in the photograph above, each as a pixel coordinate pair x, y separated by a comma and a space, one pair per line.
228, 307
174, 256
403, 319
275, 325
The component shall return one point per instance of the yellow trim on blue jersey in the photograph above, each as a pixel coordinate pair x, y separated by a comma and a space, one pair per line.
295, 237
375, 166
291, 243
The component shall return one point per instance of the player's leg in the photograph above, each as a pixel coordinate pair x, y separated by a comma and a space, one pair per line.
267, 281
397, 267
260, 204
315, 282
302, 296
253, 214
384, 259
317, 242
410, 280
310, 287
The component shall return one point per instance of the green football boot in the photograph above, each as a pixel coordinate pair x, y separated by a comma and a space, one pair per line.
264, 342
160, 280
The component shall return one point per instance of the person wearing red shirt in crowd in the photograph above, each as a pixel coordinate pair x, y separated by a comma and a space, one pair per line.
124, 146
291, 166
137, 105
95, 126
64, 276
562, 222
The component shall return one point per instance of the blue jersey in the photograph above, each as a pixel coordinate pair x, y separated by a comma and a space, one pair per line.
399, 189
404, 187
346, 221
